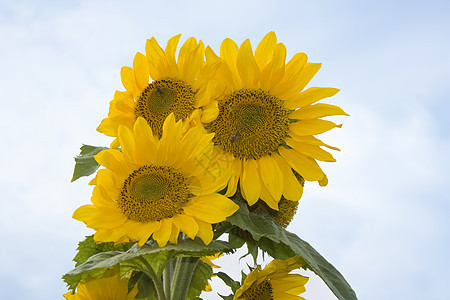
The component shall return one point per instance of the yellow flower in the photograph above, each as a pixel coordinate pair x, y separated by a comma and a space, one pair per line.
157, 187
182, 87
266, 123
273, 282
109, 286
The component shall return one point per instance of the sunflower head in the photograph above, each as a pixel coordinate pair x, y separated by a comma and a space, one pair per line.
286, 208
267, 121
158, 84
110, 286
273, 282
158, 187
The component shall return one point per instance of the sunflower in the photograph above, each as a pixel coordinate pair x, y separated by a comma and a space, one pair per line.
266, 122
182, 87
273, 282
157, 187
109, 286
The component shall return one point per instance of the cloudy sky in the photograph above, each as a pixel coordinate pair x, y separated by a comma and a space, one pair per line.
383, 220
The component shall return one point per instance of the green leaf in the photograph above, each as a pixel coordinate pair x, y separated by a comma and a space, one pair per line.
282, 244
98, 263
145, 285
89, 247
235, 240
234, 285
85, 164
229, 297
202, 274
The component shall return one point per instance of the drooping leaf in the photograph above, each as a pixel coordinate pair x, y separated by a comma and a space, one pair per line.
282, 244
202, 274
157, 257
85, 164
234, 285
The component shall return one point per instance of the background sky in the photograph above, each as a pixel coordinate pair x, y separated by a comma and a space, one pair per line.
383, 220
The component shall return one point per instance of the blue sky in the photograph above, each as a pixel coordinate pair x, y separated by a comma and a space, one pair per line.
383, 218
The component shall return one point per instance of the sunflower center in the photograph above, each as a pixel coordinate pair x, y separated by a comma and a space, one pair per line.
152, 193
160, 98
251, 123
262, 291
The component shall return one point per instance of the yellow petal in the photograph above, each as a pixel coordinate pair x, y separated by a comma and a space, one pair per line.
127, 143
271, 176
292, 71
99, 218
311, 127
305, 166
223, 68
324, 181
250, 181
292, 188
146, 145
229, 52
273, 73
162, 235
310, 96
309, 139
268, 198
310, 150
113, 159
141, 231
246, 65
210, 112
185, 50
173, 239
169, 144
212, 208
140, 66
317, 111
190, 69
170, 55
105, 198
305, 76
128, 81
156, 59
187, 224
263, 52
205, 232
235, 174
108, 127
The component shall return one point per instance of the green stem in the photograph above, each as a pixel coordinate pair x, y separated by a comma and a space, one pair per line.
156, 280
182, 276
167, 277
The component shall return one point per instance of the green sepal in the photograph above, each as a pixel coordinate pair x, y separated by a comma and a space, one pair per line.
234, 285
202, 274
282, 244
157, 257
85, 164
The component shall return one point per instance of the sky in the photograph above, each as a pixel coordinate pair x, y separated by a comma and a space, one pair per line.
383, 218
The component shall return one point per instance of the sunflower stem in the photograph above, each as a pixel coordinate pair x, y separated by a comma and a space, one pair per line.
167, 277
156, 279
182, 276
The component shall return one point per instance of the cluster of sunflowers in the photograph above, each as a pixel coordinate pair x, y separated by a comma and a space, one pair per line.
205, 146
